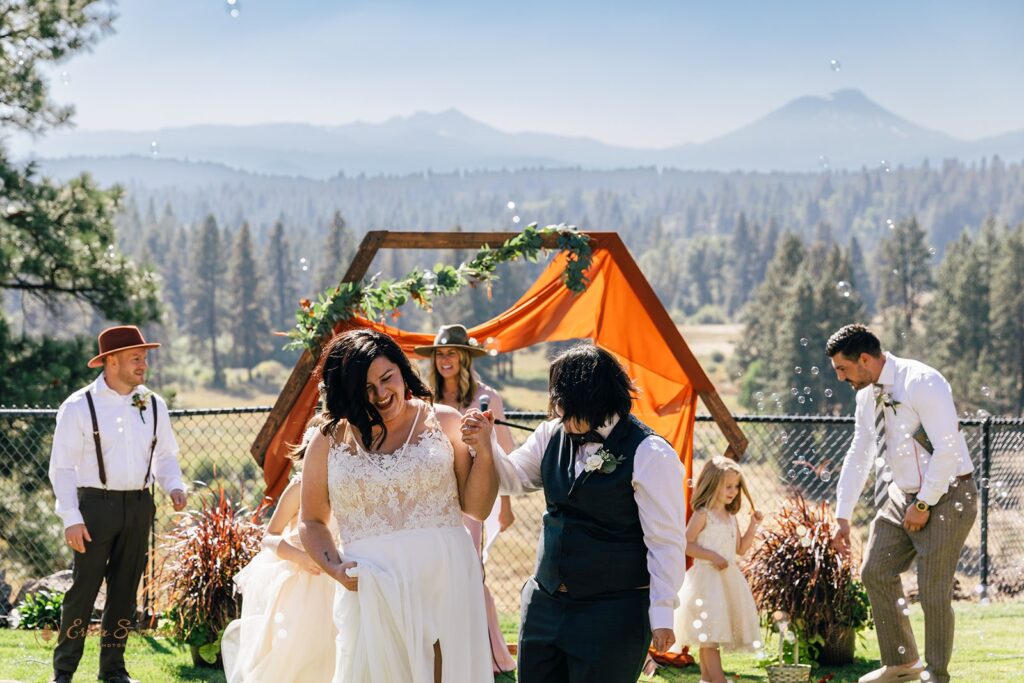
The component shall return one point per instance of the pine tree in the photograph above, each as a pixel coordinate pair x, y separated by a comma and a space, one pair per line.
282, 294
757, 354
958, 316
337, 253
905, 274
743, 259
1008, 323
205, 303
249, 327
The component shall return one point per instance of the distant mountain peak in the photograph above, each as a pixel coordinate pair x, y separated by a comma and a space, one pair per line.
842, 129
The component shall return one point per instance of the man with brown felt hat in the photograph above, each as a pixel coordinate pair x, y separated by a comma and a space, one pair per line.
113, 440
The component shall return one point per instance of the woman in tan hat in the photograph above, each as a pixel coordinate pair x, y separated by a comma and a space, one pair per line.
456, 385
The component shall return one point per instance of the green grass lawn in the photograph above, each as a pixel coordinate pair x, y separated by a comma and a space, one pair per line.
989, 649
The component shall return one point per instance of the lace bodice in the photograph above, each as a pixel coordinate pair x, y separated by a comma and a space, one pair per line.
373, 494
719, 535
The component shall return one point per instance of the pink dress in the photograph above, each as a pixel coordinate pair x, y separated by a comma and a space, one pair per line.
502, 660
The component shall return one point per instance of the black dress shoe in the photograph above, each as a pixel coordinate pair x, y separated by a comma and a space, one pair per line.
120, 677
61, 677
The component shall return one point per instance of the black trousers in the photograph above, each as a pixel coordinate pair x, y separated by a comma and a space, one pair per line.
601, 639
119, 523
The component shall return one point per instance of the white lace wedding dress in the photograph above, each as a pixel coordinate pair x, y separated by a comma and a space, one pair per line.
419, 576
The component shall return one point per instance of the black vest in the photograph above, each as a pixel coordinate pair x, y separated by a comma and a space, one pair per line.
592, 540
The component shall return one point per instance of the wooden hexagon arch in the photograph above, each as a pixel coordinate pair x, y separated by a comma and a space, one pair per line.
619, 311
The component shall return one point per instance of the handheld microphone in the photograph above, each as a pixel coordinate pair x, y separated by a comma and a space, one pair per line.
485, 403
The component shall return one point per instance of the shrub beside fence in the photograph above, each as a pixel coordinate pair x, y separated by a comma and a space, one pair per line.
787, 455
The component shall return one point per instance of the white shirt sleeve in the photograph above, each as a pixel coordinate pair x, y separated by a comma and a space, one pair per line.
932, 399
858, 461
165, 459
519, 471
658, 484
70, 440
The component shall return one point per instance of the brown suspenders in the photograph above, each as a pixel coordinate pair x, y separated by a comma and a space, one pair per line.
99, 449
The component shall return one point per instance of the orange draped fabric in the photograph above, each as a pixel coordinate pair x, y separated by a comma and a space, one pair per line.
618, 311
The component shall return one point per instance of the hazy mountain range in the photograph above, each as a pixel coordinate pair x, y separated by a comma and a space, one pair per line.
843, 130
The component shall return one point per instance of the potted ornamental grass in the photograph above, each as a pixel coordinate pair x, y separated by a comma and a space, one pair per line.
795, 570
203, 553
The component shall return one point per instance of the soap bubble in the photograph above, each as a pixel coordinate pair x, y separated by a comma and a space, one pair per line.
834, 65
515, 219
511, 205
828, 393
804, 341
844, 289
491, 346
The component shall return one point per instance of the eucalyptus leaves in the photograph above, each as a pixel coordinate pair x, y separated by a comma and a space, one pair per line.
316, 319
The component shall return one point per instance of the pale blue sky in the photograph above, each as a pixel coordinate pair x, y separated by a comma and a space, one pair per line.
636, 73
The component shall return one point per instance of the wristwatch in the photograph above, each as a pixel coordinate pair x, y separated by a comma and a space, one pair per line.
921, 505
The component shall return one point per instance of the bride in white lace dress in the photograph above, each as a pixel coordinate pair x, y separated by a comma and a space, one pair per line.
393, 471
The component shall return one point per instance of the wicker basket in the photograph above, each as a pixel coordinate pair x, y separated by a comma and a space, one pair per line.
789, 673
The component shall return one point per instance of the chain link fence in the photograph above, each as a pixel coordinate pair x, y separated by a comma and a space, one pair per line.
787, 455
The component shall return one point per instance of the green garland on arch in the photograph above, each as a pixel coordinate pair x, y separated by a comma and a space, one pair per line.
315, 320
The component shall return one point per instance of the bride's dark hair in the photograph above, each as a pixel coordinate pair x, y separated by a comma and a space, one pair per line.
342, 368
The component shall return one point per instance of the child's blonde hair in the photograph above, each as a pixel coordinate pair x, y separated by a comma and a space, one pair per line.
711, 477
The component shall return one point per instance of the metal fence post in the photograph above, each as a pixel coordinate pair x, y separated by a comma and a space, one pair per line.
986, 463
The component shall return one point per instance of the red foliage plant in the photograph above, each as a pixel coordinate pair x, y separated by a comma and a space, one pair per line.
202, 556
797, 570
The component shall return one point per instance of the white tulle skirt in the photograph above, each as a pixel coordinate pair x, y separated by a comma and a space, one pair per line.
286, 631
716, 609
416, 587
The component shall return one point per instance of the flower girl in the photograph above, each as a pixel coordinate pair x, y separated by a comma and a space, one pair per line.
716, 608
286, 631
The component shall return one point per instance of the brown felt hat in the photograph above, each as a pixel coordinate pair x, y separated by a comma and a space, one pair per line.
452, 336
120, 338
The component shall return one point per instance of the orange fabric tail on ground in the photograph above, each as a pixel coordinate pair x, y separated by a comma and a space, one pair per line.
619, 312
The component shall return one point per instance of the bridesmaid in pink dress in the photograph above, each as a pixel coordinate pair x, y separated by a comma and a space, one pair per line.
456, 385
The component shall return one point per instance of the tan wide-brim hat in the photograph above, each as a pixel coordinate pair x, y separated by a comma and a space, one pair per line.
120, 338
452, 337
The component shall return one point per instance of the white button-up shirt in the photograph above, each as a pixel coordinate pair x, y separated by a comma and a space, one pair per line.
658, 489
922, 398
125, 439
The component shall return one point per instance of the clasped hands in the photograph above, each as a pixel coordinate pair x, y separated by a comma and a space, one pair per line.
476, 428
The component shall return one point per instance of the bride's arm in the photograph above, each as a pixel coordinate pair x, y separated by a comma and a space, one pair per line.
315, 513
476, 477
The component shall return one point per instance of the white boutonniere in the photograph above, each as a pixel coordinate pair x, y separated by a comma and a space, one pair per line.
886, 399
603, 461
139, 400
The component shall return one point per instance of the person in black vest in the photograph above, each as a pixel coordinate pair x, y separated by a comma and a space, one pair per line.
113, 439
610, 560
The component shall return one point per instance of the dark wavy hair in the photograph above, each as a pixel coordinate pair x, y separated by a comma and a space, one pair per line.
853, 340
342, 368
588, 383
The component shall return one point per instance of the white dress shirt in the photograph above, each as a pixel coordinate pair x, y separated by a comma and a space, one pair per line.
658, 489
923, 399
125, 439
